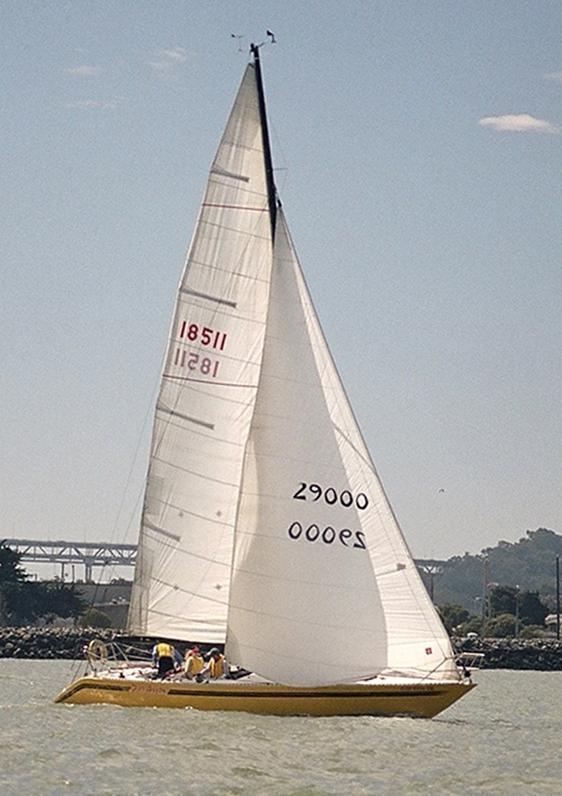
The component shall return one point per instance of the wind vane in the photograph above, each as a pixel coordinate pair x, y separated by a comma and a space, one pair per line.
236, 36
269, 33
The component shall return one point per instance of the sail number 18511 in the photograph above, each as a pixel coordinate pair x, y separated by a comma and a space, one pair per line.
203, 335
199, 336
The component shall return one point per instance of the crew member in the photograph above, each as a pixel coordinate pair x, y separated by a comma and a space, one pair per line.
165, 657
217, 665
194, 663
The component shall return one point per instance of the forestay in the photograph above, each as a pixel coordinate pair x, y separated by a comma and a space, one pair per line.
207, 394
324, 589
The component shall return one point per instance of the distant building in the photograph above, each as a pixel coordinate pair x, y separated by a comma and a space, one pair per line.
551, 621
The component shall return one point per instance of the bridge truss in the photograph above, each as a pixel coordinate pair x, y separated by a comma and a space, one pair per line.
105, 554
88, 554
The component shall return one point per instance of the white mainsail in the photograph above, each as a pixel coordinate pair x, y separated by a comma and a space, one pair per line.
324, 589
207, 395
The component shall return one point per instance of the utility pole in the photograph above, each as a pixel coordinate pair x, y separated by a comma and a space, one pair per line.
485, 587
517, 611
558, 597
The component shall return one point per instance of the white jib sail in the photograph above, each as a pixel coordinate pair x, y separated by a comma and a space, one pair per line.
207, 395
324, 589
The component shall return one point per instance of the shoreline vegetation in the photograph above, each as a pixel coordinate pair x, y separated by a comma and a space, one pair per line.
49, 643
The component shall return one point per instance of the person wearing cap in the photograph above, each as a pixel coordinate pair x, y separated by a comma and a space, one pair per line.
217, 665
194, 663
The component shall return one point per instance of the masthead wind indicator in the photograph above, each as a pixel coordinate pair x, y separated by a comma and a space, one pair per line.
236, 36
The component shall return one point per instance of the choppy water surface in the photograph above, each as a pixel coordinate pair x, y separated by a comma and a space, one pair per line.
504, 737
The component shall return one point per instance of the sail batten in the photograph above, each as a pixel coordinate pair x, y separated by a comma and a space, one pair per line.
217, 299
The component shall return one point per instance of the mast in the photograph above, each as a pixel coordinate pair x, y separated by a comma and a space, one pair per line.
271, 190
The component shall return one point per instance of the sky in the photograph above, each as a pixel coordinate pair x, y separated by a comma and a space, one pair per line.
417, 149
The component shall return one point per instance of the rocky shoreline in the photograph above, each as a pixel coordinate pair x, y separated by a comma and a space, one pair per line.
69, 643
48, 643
537, 654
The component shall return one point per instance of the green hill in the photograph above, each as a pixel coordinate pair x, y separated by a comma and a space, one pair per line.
529, 563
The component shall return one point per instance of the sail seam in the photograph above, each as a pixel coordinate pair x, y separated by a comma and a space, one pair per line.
237, 230
215, 396
183, 590
229, 271
277, 578
243, 147
236, 317
206, 381
169, 423
305, 622
175, 466
183, 551
198, 516
198, 433
244, 192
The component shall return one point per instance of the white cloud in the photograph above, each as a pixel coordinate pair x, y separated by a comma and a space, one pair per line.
169, 59
160, 66
84, 70
518, 123
557, 76
176, 54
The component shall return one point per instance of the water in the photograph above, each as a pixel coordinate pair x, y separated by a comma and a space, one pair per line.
503, 738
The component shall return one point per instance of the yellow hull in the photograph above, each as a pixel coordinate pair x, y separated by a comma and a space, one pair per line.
423, 700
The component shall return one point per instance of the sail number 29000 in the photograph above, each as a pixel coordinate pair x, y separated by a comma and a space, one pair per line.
345, 498
327, 535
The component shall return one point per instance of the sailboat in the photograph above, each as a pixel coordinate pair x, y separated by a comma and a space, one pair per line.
265, 526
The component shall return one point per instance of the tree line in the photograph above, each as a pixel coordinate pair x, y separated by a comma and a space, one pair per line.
509, 612
528, 563
23, 601
506, 590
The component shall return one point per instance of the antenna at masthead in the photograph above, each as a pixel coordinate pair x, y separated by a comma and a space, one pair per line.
254, 48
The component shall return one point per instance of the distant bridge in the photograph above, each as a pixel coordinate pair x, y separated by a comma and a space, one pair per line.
88, 554
107, 554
